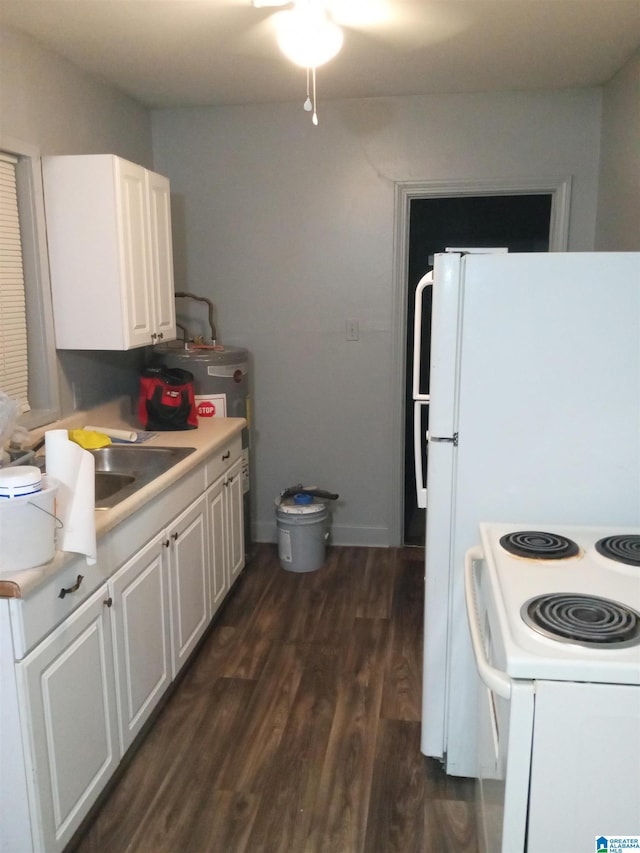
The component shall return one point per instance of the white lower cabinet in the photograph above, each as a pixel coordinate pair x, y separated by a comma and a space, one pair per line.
70, 728
159, 612
218, 573
89, 678
226, 533
234, 522
188, 572
141, 635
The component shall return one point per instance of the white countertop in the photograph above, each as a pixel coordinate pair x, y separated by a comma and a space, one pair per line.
207, 438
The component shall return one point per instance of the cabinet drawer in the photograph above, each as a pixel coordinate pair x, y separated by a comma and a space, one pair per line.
35, 616
223, 459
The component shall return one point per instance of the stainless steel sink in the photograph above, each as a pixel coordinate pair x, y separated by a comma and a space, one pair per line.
108, 484
121, 470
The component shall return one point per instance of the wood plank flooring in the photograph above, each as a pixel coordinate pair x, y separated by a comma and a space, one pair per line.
296, 727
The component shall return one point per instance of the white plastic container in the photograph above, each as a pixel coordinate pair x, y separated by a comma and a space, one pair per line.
19, 480
303, 530
27, 528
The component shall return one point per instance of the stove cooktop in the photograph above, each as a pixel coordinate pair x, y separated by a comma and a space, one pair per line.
566, 600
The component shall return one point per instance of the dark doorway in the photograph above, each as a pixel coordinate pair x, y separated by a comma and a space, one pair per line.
519, 222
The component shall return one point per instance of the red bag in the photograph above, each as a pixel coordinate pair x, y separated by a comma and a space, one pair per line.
167, 400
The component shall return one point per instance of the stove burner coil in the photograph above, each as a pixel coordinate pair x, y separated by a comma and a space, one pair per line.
542, 546
622, 548
583, 619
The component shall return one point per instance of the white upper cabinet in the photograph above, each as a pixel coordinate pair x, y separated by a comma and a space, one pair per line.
109, 235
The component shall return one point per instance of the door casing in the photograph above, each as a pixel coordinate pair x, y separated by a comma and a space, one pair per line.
560, 191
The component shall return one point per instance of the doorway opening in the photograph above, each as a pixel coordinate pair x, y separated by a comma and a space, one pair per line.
519, 222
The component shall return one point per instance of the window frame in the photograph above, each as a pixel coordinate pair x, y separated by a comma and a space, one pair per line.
43, 363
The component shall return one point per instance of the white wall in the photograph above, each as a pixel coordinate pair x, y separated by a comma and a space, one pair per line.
290, 230
618, 220
48, 102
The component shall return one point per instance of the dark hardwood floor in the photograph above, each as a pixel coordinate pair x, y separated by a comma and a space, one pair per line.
296, 726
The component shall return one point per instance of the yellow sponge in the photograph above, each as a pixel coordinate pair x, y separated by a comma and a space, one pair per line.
89, 439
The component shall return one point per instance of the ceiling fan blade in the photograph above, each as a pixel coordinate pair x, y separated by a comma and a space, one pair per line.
407, 24
259, 39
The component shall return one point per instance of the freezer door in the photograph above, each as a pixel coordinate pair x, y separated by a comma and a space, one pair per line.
436, 599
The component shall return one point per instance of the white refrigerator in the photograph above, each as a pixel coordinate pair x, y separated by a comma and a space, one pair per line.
534, 414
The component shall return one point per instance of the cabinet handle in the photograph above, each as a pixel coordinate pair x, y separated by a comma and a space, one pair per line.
153, 336
109, 601
73, 588
161, 335
226, 455
166, 543
174, 536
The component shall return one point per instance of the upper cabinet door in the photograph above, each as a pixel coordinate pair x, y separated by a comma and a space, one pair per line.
109, 235
161, 254
135, 254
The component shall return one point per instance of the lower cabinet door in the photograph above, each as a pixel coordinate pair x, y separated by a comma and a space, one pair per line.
235, 522
218, 574
188, 570
69, 721
141, 634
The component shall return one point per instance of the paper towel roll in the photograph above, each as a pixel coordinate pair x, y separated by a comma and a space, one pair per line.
120, 434
74, 469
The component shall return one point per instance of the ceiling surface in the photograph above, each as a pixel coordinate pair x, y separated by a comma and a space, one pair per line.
211, 52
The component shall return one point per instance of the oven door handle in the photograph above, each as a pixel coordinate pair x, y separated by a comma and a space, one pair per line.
495, 679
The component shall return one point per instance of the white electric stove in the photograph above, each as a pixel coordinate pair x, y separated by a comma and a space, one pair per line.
554, 618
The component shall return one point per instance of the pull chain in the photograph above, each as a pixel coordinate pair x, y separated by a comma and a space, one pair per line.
314, 117
310, 104
307, 103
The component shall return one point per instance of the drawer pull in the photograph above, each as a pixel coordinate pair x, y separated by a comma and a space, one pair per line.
109, 601
226, 455
73, 588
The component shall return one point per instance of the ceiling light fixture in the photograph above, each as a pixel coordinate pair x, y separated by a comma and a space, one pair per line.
309, 38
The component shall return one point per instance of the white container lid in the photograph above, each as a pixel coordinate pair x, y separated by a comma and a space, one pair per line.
19, 481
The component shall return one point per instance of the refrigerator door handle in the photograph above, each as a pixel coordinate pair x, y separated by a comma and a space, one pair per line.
425, 281
450, 439
421, 479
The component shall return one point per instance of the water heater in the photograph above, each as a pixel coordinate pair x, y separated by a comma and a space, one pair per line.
221, 387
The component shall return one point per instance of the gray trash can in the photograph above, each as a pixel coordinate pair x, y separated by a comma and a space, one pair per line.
303, 530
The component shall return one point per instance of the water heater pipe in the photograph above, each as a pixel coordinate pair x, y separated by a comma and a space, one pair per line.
184, 295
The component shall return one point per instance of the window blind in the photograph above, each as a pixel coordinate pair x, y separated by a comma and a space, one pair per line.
14, 365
